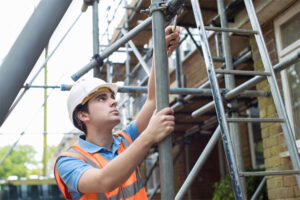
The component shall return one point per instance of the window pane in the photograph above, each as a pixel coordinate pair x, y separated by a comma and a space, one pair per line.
256, 131
290, 31
293, 75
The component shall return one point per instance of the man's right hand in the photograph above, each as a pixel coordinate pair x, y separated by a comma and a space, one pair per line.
161, 124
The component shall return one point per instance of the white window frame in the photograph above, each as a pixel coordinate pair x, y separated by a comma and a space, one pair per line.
286, 52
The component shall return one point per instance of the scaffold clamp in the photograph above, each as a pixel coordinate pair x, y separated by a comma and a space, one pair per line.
161, 6
99, 59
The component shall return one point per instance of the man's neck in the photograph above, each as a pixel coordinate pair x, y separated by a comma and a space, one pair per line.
101, 138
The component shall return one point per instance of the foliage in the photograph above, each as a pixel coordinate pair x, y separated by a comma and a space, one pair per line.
17, 161
50, 156
223, 188
50, 152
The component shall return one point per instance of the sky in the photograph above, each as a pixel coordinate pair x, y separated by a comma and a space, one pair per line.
74, 52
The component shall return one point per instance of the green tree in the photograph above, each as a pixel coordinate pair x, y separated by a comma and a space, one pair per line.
16, 164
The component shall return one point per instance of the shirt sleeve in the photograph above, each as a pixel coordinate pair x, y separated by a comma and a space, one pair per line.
70, 170
132, 130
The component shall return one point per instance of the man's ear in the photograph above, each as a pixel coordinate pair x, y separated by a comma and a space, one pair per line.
83, 116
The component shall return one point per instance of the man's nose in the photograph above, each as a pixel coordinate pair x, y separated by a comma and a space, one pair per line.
113, 102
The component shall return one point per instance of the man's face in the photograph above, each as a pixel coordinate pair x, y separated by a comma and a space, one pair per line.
103, 109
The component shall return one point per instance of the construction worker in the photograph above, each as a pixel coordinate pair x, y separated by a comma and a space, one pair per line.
103, 165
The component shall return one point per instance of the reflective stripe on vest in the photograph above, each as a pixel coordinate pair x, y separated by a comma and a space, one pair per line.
131, 189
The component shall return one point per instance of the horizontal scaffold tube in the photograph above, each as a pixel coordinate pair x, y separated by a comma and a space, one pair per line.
249, 84
108, 51
183, 91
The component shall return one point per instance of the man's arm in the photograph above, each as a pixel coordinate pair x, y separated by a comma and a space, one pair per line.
116, 172
145, 114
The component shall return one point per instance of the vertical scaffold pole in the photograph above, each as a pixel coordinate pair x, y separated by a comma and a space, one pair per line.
162, 98
96, 35
34, 37
45, 160
127, 66
230, 84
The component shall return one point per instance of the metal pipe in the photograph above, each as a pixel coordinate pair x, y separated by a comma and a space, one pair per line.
108, 51
151, 171
15, 103
162, 100
253, 120
137, 54
178, 67
11, 148
127, 62
250, 83
143, 82
216, 36
259, 188
96, 35
181, 91
175, 160
242, 72
45, 151
154, 192
42, 86
194, 41
229, 84
109, 69
137, 7
34, 37
113, 16
216, 59
236, 63
137, 66
288, 131
232, 30
199, 164
255, 80
220, 111
187, 168
270, 173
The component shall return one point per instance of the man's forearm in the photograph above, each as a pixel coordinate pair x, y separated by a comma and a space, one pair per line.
116, 172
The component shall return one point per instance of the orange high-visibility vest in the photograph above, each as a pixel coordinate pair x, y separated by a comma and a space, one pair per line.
131, 189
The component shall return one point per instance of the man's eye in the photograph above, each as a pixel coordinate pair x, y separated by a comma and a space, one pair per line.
101, 98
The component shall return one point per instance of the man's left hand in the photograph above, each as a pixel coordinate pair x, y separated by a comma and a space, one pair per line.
172, 38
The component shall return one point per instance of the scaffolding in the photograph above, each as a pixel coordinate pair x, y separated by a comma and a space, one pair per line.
186, 102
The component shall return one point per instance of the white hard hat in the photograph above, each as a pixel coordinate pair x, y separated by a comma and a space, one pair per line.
83, 88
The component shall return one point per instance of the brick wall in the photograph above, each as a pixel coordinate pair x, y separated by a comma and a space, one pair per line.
279, 187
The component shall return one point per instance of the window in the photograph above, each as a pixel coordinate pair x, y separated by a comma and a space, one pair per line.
287, 32
255, 139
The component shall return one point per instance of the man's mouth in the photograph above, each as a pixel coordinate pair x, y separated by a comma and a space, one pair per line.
115, 111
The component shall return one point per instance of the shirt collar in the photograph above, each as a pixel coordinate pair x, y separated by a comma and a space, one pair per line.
93, 148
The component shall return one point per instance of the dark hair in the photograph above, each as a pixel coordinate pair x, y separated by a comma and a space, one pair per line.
77, 122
